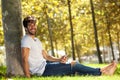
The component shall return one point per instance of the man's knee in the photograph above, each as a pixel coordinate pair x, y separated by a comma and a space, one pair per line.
73, 63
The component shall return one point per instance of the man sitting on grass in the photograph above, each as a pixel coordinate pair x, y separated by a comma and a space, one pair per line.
34, 58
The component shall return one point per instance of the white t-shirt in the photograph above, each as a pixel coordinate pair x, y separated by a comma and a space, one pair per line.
36, 61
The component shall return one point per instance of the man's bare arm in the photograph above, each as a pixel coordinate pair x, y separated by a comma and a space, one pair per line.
63, 59
25, 54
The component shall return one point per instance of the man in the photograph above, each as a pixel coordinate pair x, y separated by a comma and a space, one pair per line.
34, 58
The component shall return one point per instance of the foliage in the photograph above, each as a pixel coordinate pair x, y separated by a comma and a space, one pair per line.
57, 11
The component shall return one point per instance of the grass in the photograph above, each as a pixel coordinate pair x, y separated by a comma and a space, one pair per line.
116, 76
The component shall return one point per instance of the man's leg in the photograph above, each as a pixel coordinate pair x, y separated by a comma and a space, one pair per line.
84, 70
57, 69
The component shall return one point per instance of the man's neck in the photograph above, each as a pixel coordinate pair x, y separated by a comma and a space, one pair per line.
33, 36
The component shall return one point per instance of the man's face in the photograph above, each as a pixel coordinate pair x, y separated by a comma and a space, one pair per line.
32, 28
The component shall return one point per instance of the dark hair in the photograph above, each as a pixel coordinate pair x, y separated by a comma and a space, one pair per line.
28, 19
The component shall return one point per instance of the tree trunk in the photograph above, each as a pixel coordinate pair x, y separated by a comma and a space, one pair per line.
56, 46
50, 35
11, 17
78, 47
95, 32
103, 52
111, 42
109, 34
71, 25
118, 43
50, 31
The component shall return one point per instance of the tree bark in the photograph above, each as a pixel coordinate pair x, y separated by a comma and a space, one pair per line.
11, 17
49, 30
78, 47
103, 51
95, 32
71, 25
118, 43
109, 34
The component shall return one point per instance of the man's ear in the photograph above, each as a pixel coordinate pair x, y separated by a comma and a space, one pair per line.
26, 29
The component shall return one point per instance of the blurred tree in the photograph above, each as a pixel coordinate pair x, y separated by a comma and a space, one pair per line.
49, 30
71, 28
1, 29
109, 34
95, 32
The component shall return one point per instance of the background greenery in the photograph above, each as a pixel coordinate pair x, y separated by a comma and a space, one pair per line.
57, 11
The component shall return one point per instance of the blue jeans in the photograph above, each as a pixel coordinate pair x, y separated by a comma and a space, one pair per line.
59, 69
85, 70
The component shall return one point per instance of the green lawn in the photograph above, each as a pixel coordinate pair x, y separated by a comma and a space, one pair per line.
114, 77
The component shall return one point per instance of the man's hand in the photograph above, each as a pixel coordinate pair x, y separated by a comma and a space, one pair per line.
28, 75
63, 59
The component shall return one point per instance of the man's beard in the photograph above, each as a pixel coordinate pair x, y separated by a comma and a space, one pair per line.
31, 33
